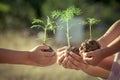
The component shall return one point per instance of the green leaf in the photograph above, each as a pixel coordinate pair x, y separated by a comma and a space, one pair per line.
92, 21
36, 26
48, 21
56, 14
69, 13
37, 21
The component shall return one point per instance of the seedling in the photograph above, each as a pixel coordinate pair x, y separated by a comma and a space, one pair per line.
92, 21
48, 25
65, 16
90, 44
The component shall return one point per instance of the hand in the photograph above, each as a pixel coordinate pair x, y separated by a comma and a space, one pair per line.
94, 57
61, 52
75, 62
70, 60
40, 58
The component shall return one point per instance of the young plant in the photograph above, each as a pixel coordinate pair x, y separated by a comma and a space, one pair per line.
91, 22
65, 16
49, 24
90, 45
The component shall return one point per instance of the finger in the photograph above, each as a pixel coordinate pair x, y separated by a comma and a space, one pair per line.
70, 65
75, 56
89, 54
88, 59
75, 62
66, 54
65, 62
81, 53
63, 52
60, 59
86, 62
61, 49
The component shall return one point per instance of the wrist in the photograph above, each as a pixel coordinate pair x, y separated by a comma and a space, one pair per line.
102, 42
29, 57
105, 52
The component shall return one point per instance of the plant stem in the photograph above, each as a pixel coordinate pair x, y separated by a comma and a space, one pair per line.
90, 31
67, 35
45, 34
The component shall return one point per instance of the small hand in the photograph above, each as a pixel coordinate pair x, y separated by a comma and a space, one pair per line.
61, 52
75, 62
70, 60
41, 58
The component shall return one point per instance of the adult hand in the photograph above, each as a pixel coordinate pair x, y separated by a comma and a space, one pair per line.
94, 57
40, 58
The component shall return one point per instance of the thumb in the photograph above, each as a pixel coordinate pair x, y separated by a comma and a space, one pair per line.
89, 54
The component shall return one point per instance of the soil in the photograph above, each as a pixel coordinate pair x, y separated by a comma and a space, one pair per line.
74, 50
49, 50
89, 45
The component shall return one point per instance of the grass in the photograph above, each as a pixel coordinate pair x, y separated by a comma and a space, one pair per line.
22, 41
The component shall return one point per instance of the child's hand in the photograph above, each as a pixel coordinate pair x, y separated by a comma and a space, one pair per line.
70, 60
62, 53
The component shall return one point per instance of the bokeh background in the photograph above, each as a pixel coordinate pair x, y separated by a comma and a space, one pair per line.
15, 33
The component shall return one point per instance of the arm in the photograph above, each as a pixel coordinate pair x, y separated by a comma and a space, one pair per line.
110, 43
10, 56
73, 61
35, 57
112, 48
95, 57
96, 71
112, 33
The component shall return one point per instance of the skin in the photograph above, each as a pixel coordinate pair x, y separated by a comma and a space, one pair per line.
34, 57
98, 55
112, 39
82, 62
71, 60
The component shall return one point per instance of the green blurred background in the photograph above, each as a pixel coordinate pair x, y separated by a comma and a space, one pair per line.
18, 14
15, 33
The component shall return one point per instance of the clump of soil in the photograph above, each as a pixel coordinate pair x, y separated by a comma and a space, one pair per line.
48, 50
89, 45
74, 50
